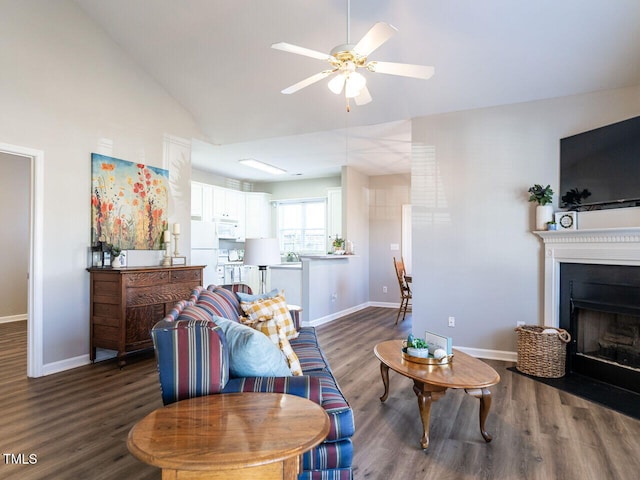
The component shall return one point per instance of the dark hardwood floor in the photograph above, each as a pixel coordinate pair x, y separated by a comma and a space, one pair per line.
76, 422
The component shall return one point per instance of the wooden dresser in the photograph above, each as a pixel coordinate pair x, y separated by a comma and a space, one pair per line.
127, 302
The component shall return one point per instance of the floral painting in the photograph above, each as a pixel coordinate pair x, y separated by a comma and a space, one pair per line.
128, 203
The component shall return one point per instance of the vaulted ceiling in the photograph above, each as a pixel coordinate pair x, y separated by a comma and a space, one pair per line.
214, 58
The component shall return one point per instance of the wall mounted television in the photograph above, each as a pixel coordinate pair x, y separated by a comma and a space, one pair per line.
601, 168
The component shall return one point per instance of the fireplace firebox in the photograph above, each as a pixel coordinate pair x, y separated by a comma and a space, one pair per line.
600, 307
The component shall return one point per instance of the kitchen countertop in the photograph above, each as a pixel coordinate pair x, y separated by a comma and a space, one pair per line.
325, 257
288, 265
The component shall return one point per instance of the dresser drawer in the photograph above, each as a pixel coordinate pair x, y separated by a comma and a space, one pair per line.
191, 275
146, 279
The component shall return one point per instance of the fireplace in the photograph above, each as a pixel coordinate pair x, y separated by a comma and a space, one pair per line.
600, 307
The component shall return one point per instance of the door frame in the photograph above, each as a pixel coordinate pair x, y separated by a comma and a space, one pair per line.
35, 347
407, 255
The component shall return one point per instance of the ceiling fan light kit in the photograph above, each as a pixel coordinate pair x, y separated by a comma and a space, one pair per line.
345, 59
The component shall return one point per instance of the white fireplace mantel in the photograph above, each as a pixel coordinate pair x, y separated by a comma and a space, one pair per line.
606, 246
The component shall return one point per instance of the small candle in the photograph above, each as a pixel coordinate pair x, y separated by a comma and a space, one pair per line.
176, 229
167, 236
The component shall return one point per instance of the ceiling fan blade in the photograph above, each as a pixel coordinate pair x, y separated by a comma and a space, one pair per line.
287, 47
403, 69
364, 97
307, 81
376, 36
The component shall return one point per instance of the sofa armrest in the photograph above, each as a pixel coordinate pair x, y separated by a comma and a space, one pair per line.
300, 386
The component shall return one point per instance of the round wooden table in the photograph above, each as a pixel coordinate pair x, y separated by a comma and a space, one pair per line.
430, 382
230, 436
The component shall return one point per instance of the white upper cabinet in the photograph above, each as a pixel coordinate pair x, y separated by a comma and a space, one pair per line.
196, 201
250, 211
258, 215
201, 201
227, 204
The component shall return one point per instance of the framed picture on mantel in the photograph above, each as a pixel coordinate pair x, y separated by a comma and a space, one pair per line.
566, 220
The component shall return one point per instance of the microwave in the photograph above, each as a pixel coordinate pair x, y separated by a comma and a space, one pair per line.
227, 230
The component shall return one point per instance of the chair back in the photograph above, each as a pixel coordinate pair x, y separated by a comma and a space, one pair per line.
192, 357
400, 273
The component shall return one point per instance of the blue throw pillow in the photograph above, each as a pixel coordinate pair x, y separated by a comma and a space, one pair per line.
247, 297
252, 353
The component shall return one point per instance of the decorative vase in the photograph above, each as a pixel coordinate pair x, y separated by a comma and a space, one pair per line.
115, 263
544, 214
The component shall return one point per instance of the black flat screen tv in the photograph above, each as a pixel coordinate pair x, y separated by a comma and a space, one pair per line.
601, 168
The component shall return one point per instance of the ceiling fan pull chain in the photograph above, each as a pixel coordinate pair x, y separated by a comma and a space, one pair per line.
348, 23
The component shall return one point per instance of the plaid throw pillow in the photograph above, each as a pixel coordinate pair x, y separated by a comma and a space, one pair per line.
271, 308
274, 330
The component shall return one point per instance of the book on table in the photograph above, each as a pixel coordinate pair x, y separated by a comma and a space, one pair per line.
436, 341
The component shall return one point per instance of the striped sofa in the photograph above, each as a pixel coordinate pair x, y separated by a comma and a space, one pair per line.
190, 338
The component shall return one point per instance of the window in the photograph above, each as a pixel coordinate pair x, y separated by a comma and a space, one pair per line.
302, 226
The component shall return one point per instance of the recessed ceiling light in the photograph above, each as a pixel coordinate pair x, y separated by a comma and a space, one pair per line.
265, 167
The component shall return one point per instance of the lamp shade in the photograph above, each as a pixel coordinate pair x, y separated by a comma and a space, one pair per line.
261, 251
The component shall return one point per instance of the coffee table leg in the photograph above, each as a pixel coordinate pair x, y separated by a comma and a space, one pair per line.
485, 404
384, 371
424, 405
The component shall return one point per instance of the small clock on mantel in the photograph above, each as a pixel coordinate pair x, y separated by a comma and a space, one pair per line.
566, 220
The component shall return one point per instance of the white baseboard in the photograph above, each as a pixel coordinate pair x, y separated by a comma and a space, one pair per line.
13, 318
384, 304
334, 316
505, 356
67, 364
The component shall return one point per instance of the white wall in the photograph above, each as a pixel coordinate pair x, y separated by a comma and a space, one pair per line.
64, 87
475, 257
308, 188
387, 194
15, 172
331, 288
355, 228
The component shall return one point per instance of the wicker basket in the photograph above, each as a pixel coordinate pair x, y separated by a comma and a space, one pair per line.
542, 354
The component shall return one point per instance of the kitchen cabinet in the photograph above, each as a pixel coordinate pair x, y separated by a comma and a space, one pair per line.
201, 202
258, 215
196, 201
250, 211
228, 204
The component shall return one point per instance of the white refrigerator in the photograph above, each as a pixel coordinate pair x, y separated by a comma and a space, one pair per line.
204, 250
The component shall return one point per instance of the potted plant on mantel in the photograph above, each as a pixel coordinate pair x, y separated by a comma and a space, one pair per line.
543, 196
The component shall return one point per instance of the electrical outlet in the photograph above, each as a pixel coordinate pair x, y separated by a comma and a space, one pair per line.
519, 323
384, 289
452, 321
334, 297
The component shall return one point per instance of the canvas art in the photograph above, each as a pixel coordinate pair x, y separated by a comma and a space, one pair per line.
128, 203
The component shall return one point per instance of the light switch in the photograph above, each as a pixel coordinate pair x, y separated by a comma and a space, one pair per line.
395, 246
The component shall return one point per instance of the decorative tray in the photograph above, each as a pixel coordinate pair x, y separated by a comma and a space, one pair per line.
430, 360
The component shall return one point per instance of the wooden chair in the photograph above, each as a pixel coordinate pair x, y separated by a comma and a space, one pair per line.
405, 290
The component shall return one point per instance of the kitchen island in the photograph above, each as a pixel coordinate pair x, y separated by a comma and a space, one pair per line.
325, 286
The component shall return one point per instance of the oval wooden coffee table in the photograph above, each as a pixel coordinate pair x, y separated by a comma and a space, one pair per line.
230, 436
430, 382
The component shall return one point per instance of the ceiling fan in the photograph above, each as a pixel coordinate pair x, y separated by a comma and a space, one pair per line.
346, 59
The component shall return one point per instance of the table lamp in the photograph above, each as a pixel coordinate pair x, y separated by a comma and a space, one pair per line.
262, 252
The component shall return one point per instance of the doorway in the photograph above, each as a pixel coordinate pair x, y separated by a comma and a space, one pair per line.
35, 254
